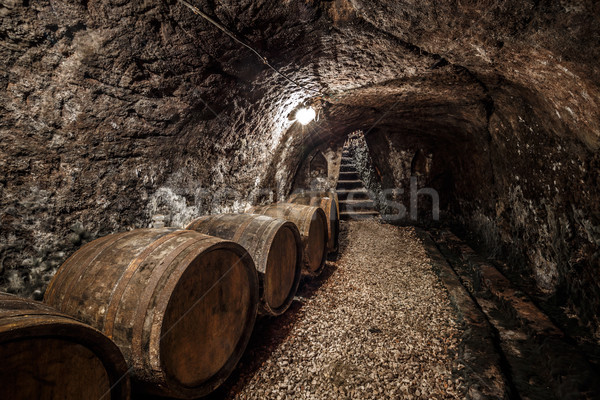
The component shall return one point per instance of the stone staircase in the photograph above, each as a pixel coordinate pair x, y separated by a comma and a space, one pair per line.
355, 203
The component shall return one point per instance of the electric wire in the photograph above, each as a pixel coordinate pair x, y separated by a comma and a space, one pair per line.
233, 36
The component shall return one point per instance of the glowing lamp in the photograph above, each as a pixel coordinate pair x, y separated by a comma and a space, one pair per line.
305, 115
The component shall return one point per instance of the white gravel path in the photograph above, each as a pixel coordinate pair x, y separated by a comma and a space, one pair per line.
380, 326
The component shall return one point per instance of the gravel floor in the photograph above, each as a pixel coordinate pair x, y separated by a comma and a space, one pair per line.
378, 324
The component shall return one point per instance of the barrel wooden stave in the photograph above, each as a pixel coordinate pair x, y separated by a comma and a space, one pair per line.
286, 249
312, 225
274, 244
132, 288
48, 355
328, 202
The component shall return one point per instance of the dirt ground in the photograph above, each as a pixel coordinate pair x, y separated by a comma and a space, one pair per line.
377, 324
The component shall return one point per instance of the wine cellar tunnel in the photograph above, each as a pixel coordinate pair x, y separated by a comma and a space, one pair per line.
427, 171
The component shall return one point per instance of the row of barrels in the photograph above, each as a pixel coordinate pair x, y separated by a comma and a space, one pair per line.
171, 308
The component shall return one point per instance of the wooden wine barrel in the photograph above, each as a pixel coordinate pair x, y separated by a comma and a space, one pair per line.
311, 223
47, 355
275, 246
328, 202
181, 305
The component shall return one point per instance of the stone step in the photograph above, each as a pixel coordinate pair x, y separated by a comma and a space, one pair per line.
354, 184
360, 194
358, 215
347, 168
349, 175
357, 205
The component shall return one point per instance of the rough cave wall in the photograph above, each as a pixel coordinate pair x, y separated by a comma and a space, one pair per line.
542, 215
526, 180
319, 169
525, 193
368, 173
115, 111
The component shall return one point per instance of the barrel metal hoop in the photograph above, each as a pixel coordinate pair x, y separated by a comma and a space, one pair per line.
267, 243
213, 222
193, 225
241, 229
163, 301
146, 298
55, 284
102, 248
123, 282
6, 316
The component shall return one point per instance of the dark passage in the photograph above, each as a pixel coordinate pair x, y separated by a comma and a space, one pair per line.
355, 200
457, 143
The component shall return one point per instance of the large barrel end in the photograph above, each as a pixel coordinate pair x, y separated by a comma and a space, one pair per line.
283, 270
328, 202
181, 305
208, 320
316, 246
47, 355
334, 222
276, 247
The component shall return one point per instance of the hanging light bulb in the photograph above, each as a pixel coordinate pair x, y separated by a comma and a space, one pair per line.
305, 115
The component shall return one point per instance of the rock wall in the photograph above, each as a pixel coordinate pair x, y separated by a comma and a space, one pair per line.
320, 168
510, 121
113, 112
117, 114
368, 174
524, 193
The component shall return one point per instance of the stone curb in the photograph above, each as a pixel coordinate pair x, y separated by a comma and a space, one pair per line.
483, 372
